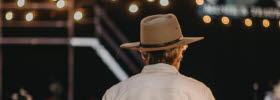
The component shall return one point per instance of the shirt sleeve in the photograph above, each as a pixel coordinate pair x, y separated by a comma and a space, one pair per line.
210, 95
111, 93
201, 92
107, 95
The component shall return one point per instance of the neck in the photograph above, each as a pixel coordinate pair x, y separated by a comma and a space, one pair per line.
176, 65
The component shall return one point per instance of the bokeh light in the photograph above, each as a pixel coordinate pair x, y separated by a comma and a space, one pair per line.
9, 15
199, 2
60, 4
279, 23
207, 19
266, 23
151, 0
225, 20
248, 22
78, 15
164, 2
29, 16
20, 3
133, 8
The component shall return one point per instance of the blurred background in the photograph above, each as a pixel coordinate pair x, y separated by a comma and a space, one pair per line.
69, 49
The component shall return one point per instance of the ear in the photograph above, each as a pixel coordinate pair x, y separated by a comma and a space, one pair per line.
185, 47
142, 55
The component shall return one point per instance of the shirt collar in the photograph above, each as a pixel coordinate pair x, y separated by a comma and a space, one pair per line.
160, 67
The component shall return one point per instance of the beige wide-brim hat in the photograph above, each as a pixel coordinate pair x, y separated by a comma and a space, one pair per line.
160, 32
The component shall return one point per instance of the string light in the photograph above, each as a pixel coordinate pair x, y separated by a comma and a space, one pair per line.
279, 23
199, 2
133, 8
20, 3
29, 16
164, 2
9, 15
151, 0
248, 22
78, 15
225, 20
60, 3
207, 19
266, 23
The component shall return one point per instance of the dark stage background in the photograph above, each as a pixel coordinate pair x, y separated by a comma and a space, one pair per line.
229, 60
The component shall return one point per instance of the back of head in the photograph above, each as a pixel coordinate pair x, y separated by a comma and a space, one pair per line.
171, 56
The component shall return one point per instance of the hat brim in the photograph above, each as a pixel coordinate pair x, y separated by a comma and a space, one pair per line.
184, 41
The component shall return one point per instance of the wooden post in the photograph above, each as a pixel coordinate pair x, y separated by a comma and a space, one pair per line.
1, 56
70, 27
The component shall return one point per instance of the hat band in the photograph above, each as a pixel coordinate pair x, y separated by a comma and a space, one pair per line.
161, 45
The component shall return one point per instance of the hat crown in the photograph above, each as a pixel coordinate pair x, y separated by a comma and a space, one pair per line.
159, 29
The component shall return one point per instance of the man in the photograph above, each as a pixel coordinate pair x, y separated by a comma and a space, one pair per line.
161, 46
275, 93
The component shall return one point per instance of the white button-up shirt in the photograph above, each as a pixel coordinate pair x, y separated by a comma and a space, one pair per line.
159, 82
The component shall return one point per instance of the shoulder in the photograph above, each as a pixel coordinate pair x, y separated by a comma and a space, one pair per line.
120, 87
197, 88
112, 92
192, 82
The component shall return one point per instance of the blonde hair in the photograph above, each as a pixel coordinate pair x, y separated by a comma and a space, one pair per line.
169, 56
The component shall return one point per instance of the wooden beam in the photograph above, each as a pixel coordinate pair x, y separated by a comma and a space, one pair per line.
85, 21
30, 5
71, 31
34, 24
34, 41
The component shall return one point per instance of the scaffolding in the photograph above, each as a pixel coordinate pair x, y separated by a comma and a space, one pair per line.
70, 40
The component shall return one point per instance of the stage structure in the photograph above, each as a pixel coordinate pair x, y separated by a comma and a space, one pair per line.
70, 40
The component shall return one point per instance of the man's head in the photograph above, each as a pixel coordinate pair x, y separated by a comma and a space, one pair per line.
161, 40
160, 32
171, 56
